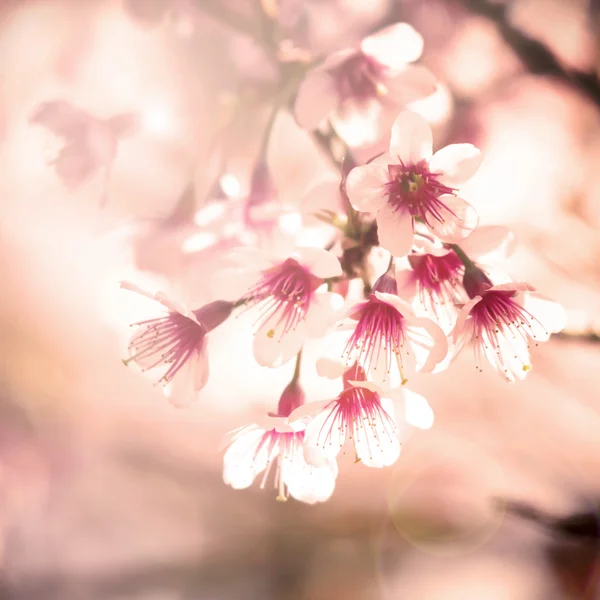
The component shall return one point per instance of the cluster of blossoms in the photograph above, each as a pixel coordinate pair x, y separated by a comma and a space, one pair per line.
435, 297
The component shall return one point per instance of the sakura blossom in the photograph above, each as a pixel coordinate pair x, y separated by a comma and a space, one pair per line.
275, 442
352, 85
412, 185
365, 414
387, 339
174, 346
90, 142
287, 296
503, 321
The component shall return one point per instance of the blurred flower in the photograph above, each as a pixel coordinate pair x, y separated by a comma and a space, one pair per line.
290, 308
500, 320
410, 184
254, 448
351, 85
90, 142
364, 414
387, 339
175, 344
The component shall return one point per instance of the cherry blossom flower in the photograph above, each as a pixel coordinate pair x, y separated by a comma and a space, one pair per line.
432, 278
409, 185
352, 85
90, 142
364, 413
386, 339
255, 448
174, 345
501, 321
285, 293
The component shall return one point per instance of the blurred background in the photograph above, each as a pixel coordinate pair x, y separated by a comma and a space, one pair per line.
107, 491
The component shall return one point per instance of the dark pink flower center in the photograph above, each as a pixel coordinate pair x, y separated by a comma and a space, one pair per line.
415, 189
379, 333
286, 290
438, 277
359, 77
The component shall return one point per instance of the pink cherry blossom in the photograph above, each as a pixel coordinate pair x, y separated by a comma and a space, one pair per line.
410, 185
90, 142
502, 321
174, 346
286, 296
254, 449
363, 413
351, 85
387, 339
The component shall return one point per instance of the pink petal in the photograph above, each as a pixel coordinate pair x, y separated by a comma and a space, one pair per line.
201, 368
412, 140
359, 122
322, 313
394, 46
317, 97
459, 219
411, 84
242, 463
395, 230
428, 341
403, 307
457, 163
321, 263
486, 239
376, 440
462, 317
365, 187
330, 368
325, 436
271, 348
310, 409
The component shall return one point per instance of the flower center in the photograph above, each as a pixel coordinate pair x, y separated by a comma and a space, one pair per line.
415, 189
359, 78
436, 273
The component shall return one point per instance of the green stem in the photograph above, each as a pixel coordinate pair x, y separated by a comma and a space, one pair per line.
463, 256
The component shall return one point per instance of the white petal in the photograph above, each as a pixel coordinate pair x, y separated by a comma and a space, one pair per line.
325, 435
330, 368
359, 122
507, 353
406, 284
395, 230
317, 98
158, 297
305, 482
365, 187
321, 263
428, 341
417, 411
376, 439
412, 140
310, 409
459, 219
272, 347
242, 463
403, 307
394, 46
547, 316
463, 315
189, 380
457, 163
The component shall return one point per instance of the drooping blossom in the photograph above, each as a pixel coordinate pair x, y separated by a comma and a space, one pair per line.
409, 185
352, 86
285, 293
503, 321
172, 348
90, 142
364, 413
432, 279
387, 339
276, 443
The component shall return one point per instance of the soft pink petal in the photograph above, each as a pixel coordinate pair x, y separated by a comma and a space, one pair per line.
403, 307
310, 409
395, 230
376, 439
242, 463
321, 263
201, 368
309, 483
365, 187
412, 140
462, 317
547, 316
271, 347
428, 341
317, 97
394, 46
322, 313
325, 436
486, 239
459, 219
456, 163
330, 368
406, 284
359, 121
410, 84
417, 411
324, 196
